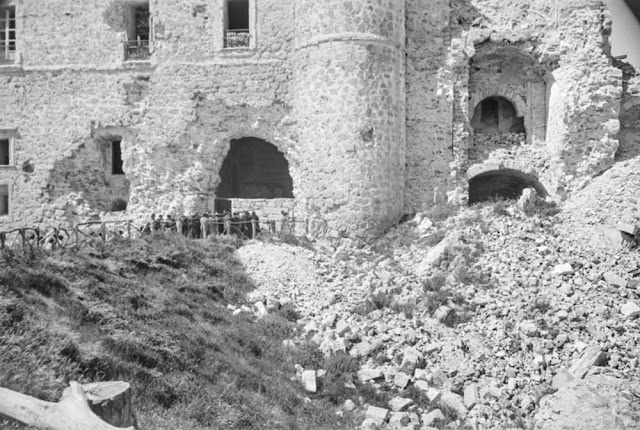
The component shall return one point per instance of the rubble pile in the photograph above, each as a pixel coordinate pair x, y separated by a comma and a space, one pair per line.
484, 314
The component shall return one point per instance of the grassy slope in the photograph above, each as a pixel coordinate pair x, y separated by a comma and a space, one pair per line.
154, 313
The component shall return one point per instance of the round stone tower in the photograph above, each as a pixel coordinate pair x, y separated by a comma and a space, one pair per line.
349, 103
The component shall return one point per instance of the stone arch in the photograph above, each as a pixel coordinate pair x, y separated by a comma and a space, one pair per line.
494, 91
504, 180
495, 115
254, 169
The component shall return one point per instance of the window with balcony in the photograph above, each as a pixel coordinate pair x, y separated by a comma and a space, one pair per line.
7, 34
237, 32
138, 32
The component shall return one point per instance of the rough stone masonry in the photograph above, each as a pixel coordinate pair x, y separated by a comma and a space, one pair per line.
377, 107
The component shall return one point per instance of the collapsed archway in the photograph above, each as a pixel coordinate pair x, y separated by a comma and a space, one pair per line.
254, 169
503, 183
497, 115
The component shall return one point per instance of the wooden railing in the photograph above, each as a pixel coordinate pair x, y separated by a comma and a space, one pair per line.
90, 233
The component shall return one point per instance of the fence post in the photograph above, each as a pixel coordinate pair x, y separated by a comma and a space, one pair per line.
253, 229
76, 234
104, 232
2, 239
129, 229
24, 239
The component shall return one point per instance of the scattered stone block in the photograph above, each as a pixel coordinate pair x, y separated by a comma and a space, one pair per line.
401, 380
410, 359
432, 347
489, 392
309, 381
422, 385
380, 415
398, 420
471, 396
433, 395
422, 374
362, 349
614, 279
370, 374
563, 269
348, 405
628, 228
433, 417
369, 424
562, 378
439, 377
512, 383
342, 328
529, 328
273, 304
630, 310
261, 309
592, 356
445, 315
399, 404
454, 402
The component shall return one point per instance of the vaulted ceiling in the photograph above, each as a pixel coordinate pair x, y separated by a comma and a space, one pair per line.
634, 5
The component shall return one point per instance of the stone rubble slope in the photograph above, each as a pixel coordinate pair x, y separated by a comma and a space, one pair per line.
485, 313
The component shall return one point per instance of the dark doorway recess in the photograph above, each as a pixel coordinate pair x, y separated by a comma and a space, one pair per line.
495, 115
505, 183
254, 169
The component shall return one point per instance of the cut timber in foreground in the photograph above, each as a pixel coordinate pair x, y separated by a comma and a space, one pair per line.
111, 400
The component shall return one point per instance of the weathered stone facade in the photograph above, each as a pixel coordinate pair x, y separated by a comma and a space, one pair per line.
370, 102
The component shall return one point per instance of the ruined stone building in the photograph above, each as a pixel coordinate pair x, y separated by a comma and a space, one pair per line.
354, 112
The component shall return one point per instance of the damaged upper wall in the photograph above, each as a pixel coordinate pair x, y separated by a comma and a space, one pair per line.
569, 44
179, 107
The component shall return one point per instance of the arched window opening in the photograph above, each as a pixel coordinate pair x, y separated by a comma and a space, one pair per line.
497, 115
505, 184
254, 169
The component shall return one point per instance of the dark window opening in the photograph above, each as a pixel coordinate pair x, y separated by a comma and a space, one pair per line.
237, 32
116, 158
138, 32
4, 200
7, 34
4, 152
502, 184
254, 169
496, 115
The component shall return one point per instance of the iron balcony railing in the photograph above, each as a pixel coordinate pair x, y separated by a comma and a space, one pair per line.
136, 50
237, 38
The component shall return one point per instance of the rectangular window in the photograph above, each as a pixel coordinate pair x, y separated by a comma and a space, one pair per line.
5, 158
116, 158
4, 200
237, 32
138, 31
7, 35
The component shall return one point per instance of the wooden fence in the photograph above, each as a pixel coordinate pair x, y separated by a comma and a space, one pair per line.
90, 233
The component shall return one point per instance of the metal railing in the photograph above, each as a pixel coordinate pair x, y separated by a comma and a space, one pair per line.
237, 38
90, 233
136, 50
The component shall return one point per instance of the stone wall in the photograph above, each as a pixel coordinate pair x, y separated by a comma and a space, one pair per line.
349, 102
266, 209
369, 101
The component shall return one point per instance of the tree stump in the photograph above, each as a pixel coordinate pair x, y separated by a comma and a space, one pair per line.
111, 401
71, 413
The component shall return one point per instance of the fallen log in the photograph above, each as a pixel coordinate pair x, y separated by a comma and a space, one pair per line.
74, 411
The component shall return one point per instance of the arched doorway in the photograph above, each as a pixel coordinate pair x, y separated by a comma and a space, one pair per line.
497, 115
503, 183
254, 169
